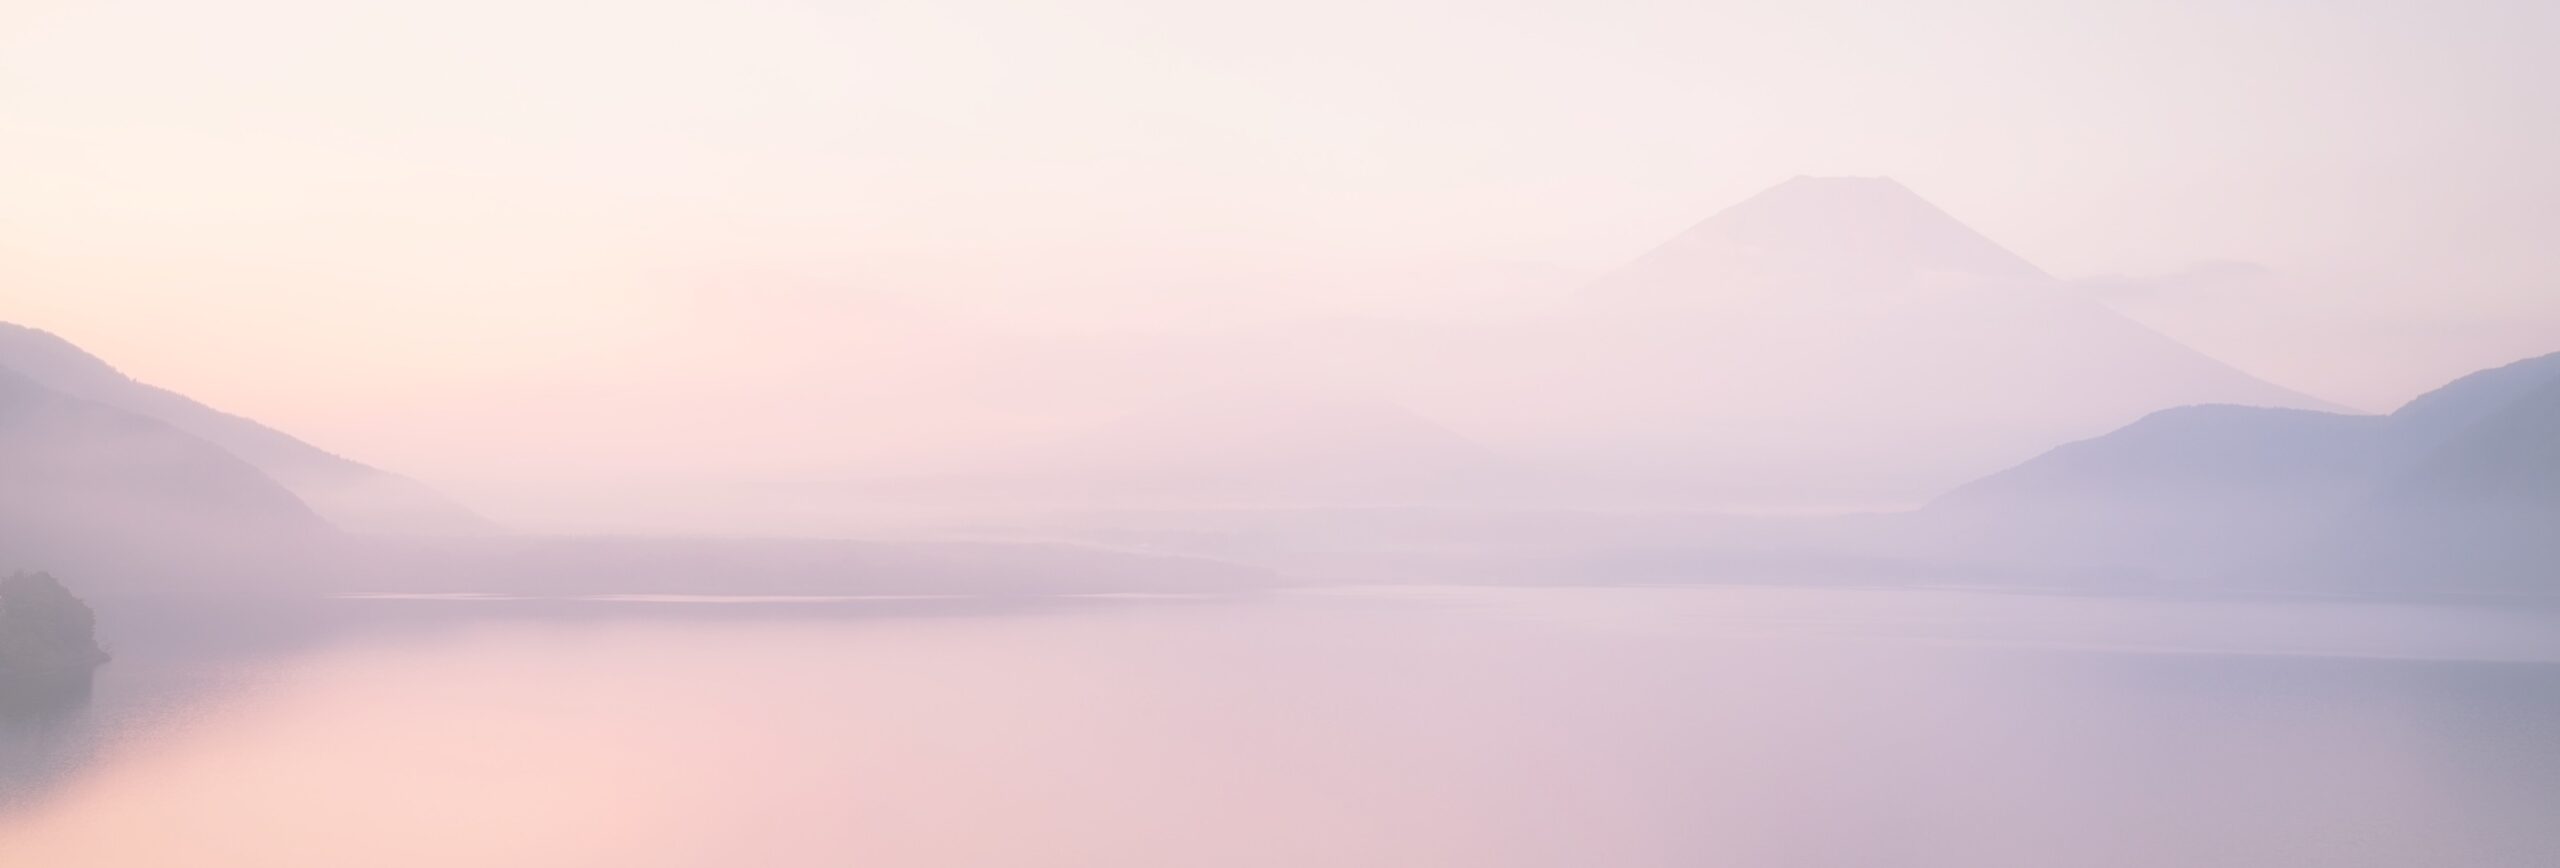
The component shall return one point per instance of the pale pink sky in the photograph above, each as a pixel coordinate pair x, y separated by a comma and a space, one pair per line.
393, 227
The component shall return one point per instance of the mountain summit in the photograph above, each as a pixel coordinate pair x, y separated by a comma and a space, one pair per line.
1840, 336
1837, 233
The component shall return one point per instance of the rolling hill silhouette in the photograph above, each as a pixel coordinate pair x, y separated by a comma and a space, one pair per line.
121, 496
350, 495
2217, 486
2478, 513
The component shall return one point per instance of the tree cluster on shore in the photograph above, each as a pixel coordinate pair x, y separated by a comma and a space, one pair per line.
47, 635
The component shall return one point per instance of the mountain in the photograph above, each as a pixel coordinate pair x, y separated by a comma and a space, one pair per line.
1837, 335
2427, 421
351, 495
2206, 487
129, 498
2479, 513
1830, 342
1815, 234
2179, 490
2510, 458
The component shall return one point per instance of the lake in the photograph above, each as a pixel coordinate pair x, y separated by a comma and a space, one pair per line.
1374, 727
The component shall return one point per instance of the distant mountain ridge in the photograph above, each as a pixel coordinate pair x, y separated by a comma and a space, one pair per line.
2438, 415
1832, 324
56, 444
2507, 458
2248, 444
1827, 343
2479, 513
125, 498
1828, 228
2471, 468
350, 495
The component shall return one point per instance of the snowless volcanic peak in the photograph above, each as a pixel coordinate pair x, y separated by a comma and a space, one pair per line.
1832, 233
1844, 333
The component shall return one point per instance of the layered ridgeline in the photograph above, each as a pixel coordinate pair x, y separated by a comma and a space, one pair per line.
350, 495
124, 495
1837, 337
2479, 513
2456, 489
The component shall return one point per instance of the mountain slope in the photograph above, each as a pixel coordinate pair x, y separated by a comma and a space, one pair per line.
2210, 486
1834, 334
2428, 420
351, 495
1818, 234
2182, 489
2479, 513
92, 488
2509, 458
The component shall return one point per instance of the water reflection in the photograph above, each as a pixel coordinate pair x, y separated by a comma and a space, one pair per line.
39, 699
1512, 728
40, 722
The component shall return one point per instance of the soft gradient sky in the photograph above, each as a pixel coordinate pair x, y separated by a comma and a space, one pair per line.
393, 227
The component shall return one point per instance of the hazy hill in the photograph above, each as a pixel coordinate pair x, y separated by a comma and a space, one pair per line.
350, 495
2429, 420
2479, 513
2509, 458
2215, 486
129, 498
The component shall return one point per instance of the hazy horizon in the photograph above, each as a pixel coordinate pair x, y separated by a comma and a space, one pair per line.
478, 243
1024, 433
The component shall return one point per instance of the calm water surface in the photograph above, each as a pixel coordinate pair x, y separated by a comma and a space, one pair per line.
1406, 728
